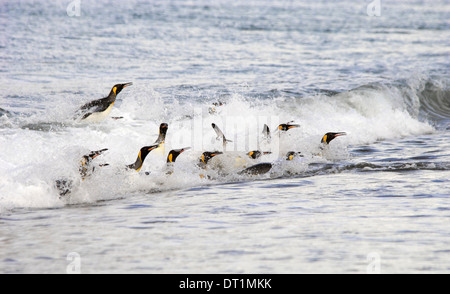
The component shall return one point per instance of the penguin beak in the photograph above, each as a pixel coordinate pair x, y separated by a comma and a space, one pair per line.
94, 154
182, 150
340, 134
153, 147
127, 84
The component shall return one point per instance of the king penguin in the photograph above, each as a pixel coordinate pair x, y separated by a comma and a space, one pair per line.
172, 157
207, 156
98, 110
326, 139
265, 167
257, 154
204, 159
173, 154
137, 165
161, 140
162, 133
287, 126
64, 186
85, 165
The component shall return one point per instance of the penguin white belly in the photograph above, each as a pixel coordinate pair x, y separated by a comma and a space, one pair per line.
96, 117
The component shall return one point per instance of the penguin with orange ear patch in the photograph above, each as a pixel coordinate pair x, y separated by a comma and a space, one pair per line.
143, 152
172, 157
98, 110
328, 137
287, 126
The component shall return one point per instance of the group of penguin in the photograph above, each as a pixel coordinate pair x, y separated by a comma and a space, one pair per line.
98, 110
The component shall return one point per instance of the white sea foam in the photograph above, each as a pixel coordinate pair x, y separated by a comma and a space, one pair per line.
35, 154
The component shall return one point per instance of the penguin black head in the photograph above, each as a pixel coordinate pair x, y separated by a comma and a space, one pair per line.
146, 150
292, 154
206, 156
163, 128
254, 154
162, 133
257, 154
119, 87
173, 154
141, 157
326, 139
286, 127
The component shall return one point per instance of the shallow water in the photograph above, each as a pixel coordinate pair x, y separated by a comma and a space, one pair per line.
318, 224
373, 201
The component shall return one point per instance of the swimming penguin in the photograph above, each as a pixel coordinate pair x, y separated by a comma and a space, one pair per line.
207, 156
326, 139
172, 156
257, 154
162, 133
64, 186
287, 126
220, 135
292, 154
98, 110
204, 159
265, 167
137, 165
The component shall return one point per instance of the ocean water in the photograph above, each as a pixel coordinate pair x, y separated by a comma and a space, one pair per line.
376, 200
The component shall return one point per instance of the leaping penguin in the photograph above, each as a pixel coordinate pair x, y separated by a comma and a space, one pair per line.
85, 168
281, 128
98, 110
220, 135
64, 186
